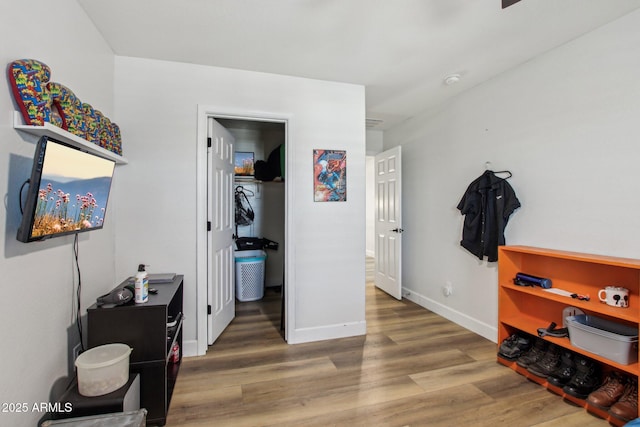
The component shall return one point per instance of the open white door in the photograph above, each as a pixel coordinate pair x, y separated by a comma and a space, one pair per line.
220, 246
388, 227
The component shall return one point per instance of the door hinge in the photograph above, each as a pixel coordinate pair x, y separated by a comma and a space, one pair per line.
209, 309
208, 225
208, 142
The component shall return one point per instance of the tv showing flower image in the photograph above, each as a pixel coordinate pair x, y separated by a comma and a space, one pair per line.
68, 192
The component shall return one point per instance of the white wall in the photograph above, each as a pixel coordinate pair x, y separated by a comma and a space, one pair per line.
374, 146
375, 142
371, 206
158, 102
565, 125
38, 278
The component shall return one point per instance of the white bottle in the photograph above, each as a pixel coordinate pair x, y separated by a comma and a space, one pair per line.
141, 285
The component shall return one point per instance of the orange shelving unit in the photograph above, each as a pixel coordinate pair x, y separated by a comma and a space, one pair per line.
526, 309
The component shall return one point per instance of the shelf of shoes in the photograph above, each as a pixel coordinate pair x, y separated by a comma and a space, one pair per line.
526, 309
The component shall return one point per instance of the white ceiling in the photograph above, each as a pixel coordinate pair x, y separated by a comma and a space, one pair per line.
400, 50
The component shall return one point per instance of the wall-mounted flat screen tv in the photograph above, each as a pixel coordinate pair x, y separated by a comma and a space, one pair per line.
68, 192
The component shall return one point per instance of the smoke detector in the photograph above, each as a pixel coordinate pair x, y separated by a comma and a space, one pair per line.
452, 79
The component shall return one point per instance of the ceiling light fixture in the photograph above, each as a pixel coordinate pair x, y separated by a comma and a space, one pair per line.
452, 79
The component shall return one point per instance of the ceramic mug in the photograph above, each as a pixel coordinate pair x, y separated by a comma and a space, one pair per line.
615, 296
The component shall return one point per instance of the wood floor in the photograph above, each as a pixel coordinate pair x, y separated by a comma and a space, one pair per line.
413, 368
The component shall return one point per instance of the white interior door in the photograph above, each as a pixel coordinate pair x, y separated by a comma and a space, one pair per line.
388, 222
220, 246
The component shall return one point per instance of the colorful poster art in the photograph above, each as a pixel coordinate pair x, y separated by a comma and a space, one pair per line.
330, 175
243, 163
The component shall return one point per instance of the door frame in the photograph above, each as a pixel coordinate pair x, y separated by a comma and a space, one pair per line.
204, 112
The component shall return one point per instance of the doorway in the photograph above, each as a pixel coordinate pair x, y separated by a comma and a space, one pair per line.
203, 263
260, 141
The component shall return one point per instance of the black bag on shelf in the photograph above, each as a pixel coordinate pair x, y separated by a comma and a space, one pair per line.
251, 243
272, 168
248, 243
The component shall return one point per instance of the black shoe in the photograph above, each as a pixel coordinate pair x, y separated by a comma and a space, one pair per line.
586, 379
534, 354
549, 362
563, 373
514, 346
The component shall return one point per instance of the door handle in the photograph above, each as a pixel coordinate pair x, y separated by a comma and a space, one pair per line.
397, 230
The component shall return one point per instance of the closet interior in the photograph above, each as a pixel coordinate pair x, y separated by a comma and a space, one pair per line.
260, 192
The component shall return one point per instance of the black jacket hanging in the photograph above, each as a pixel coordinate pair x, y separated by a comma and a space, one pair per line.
486, 205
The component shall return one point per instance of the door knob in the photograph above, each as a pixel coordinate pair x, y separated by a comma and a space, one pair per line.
397, 230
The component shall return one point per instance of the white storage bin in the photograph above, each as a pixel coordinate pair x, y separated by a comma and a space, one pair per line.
250, 274
103, 369
603, 337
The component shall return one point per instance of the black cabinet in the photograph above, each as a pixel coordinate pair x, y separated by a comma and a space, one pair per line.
148, 330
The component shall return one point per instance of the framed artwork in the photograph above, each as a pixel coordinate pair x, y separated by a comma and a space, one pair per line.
243, 163
329, 175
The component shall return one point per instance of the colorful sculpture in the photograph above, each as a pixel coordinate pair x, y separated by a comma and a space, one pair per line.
41, 101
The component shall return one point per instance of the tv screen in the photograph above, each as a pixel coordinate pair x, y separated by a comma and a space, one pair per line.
68, 192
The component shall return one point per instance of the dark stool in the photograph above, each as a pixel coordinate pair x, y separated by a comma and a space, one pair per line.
125, 399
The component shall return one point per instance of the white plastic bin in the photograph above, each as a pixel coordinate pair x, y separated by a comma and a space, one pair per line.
603, 337
250, 274
103, 369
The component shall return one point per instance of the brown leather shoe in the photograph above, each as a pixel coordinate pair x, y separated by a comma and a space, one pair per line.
609, 392
627, 407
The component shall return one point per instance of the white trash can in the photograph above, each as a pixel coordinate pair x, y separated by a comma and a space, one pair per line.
250, 274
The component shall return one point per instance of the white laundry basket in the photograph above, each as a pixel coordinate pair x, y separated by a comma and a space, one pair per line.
250, 274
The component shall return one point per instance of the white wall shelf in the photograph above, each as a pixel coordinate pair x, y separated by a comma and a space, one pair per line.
65, 136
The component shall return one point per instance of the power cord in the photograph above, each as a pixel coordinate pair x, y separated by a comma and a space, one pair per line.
78, 292
20, 195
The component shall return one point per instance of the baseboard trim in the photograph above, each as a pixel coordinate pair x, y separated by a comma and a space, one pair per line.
321, 333
190, 348
487, 331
